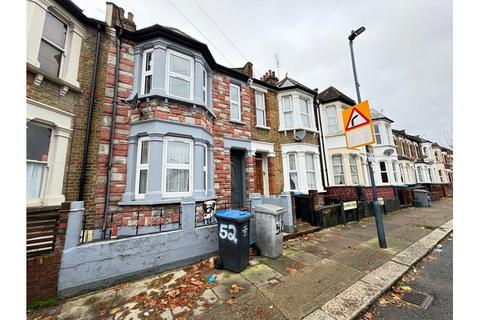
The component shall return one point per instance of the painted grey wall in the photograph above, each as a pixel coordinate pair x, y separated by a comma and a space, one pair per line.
99, 264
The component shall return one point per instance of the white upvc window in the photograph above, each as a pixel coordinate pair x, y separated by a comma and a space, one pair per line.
51, 54
430, 175
292, 171
235, 105
402, 173
389, 134
311, 172
420, 174
141, 179
205, 167
304, 111
352, 159
338, 172
287, 110
204, 85
383, 171
147, 71
395, 172
332, 122
378, 135
178, 167
39, 139
260, 107
179, 75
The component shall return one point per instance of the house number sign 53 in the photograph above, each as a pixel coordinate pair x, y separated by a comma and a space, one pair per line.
228, 232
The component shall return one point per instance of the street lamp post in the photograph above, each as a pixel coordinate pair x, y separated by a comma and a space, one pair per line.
376, 206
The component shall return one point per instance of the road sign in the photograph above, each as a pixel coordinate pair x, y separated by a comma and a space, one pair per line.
357, 123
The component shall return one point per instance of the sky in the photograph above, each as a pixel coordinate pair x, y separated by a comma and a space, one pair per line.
404, 59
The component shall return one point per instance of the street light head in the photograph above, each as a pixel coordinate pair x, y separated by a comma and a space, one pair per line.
355, 33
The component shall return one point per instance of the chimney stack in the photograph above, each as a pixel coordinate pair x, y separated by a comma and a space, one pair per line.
270, 78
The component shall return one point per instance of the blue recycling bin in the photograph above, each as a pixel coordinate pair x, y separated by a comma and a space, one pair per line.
233, 239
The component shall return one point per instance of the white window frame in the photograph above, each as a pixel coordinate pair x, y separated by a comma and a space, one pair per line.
177, 166
328, 117
141, 166
420, 174
64, 49
147, 73
402, 172
170, 73
205, 168
204, 85
261, 109
290, 171
238, 103
305, 114
352, 162
343, 169
389, 134
379, 133
440, 175
395, 171
290, 98
385, 171
314, 171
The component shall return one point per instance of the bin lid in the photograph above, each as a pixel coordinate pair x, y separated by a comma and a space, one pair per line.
269, 209
234, 215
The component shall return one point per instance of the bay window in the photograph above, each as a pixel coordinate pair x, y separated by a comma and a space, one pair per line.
179, 75
420, 174
292, 171
52, 46
147, 71
338, 172
353, 168
204, 85
310, 166
235, 106
395, 172
304, 113
142, 168
389, 134
260, 107
287, 109
332, 122
383, 171
178, 166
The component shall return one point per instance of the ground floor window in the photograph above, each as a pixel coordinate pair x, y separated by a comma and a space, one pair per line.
440, 175
402, 173
395, 173
38, 148
310, 166
353, 168
292, 171
338, 173
178, 166
420, 174
383, 171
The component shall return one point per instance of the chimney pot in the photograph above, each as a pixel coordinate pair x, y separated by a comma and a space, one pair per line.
130, 16
121, 12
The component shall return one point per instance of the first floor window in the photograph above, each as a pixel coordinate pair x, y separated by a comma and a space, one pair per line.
204, 85
52, 45
304, 113
378, 135
338, 173
235, 110
180, 75
353, 168
38, 147
260, 106
383, 171
332, 119
178, 166
310, 166
147, 71
292, 171
142, 168
287, 110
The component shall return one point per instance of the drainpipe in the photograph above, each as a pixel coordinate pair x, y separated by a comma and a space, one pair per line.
321, 146
112, 131
89, 117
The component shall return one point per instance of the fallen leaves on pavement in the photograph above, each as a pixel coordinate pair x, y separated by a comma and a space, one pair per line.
120, 286
291, 270
235, 288
367, 316
231, 301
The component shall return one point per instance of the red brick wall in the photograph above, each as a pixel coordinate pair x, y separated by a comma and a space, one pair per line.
349, 193
42, 271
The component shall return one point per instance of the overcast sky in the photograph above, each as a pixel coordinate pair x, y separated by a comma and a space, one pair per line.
404, 58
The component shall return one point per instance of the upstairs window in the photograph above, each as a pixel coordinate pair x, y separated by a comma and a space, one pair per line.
378, 136
180, 75
383, 171
389, 134
178, 166
287, 109
235, 109
338, 173
38, 148
353, 168
304, 113
142, 168
310, 168
292, 171
260, 107
332, 119
52, 45
147, 71
204, 86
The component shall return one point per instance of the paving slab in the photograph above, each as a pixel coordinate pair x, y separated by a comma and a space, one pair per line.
410, 233
224, 283
252, 305
319, 314
352, 301
412, 254
281, 264
304, 258
394, 245
338, 243
385, 276
361, 235
260, 275
303, 291
362, 258
433, 237
317, 250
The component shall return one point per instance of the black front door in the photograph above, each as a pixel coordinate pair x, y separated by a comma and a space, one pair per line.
237, 174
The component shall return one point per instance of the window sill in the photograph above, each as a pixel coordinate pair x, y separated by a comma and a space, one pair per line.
262, 127
166, 201
334, 134
53, 79
296, 129
238, 122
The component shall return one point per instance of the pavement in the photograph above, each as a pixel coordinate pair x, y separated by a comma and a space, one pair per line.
433, 276
332, 274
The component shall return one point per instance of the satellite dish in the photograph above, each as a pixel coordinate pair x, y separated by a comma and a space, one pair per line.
388, 151
300, 135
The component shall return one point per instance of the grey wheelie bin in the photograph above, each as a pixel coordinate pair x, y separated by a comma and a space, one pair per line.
269, 227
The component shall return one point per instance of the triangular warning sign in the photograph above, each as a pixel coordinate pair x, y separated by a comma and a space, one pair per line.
356, 119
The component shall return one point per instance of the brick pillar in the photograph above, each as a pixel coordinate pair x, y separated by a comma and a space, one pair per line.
249, 173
